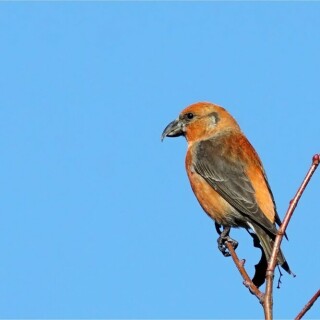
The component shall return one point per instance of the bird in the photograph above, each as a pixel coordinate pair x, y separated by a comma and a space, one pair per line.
227, 176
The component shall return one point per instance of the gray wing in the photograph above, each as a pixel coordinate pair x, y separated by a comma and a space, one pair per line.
229, 179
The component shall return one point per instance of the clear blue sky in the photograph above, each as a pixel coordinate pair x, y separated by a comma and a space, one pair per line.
97, 215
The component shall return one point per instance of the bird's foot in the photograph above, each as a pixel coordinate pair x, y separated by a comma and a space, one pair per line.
223, 247
223, 238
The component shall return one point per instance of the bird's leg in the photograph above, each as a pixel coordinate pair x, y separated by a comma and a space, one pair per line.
218, 226
223, 238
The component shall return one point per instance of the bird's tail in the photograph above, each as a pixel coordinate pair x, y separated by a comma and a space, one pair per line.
267, 243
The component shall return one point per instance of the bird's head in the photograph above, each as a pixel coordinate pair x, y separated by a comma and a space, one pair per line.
199, 121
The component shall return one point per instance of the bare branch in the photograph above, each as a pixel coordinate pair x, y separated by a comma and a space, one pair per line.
246, 279
268, 301
308, 306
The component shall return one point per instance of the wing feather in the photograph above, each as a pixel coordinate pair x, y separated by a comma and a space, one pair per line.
228, 177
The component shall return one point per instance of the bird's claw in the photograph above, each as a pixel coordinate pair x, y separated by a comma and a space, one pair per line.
223, 247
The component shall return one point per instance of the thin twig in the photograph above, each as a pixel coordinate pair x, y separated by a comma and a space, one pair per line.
247, 281
308, 306
268, 301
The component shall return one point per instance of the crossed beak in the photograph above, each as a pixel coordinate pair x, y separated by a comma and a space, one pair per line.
173, 129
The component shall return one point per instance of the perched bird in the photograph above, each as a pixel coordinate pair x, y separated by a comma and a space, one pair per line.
227, 176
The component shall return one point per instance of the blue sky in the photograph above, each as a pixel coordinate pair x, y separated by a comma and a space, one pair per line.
97, 215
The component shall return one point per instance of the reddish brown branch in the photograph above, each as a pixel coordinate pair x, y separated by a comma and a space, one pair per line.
308, 306
268, 301
246, 279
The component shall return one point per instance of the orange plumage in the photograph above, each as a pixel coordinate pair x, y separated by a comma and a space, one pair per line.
226, 174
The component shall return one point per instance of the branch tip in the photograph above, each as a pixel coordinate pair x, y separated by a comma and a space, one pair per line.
316, 159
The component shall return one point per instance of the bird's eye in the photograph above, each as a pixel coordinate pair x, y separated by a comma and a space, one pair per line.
190, 115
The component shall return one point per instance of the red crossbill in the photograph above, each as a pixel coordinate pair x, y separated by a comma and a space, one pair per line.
226, 175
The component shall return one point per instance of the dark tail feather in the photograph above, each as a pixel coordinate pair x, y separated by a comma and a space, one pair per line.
267, 244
